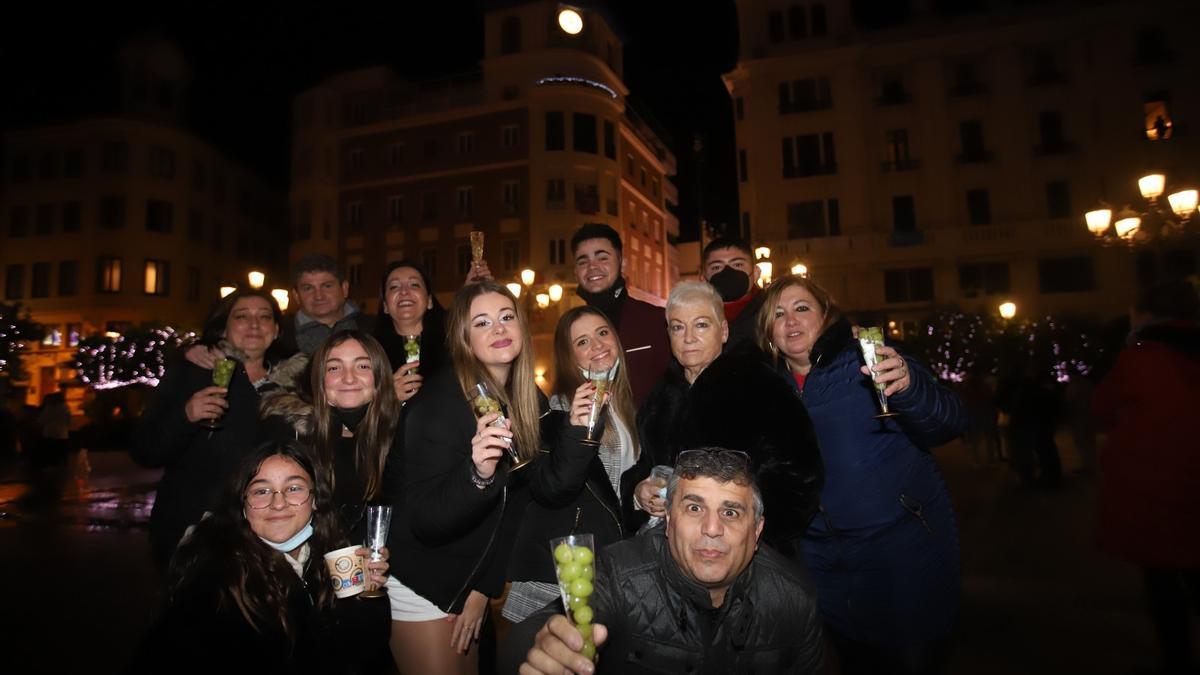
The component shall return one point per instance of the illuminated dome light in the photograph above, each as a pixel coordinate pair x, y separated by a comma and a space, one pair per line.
281, 297
514, 288
569, 20
1152, 185
1127, 227
1098, 220
226, 290
528, 276
1183, 203
256, 279
556, 292
1008, 310
800, 269
543, 300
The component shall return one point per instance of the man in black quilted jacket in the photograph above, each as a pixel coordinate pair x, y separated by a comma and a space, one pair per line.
696, 596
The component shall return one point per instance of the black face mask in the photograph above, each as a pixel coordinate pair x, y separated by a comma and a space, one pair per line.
350, 417
730, 283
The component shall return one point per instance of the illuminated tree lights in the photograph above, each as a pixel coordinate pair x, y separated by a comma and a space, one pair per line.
955, 344
134, 358
16, 332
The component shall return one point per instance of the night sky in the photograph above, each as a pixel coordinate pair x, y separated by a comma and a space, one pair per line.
249, 59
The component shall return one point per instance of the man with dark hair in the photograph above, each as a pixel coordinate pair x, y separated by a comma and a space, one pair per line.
320, 290
599, 264
728, 264
699, 595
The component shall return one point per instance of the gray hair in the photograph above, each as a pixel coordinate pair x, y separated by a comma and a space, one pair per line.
696, 292
719, 464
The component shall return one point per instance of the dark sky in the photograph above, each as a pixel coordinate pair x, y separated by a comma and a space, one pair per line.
249, 58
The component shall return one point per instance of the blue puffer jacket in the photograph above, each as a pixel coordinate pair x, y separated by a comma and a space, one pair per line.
883, 551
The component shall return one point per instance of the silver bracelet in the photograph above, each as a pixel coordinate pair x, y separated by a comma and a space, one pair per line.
479, 481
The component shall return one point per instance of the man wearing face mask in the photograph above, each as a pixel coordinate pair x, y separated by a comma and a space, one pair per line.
728, 264
641, 326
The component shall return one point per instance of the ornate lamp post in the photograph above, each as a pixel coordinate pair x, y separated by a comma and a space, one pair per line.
1155, 220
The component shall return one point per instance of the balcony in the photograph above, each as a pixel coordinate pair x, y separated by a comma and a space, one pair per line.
906, 238
976, 157
889, 165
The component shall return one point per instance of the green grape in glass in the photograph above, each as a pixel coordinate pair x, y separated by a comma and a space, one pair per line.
574, 564
222, 375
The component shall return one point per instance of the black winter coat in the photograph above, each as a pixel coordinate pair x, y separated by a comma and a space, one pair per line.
196, 462
661, 622
569, 492
741, 403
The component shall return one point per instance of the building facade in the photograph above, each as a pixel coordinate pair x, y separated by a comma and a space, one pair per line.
947, 159
537, 142
122, 221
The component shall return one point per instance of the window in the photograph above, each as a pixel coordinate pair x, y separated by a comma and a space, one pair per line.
904, 214
14, 282
40, 288
979, 207
510, 254
464, 198
1157, 113
1058, 199
18, 221
587, 199
510, 136
395, 154
510, 35
74, 333
896, 146
195, 228
108, 275
556, 131
1066, 275
159, 216
72, 216
556, 193
809, 155
395, 210
304, 221
73, 163
429, 206
48, 165
462, 254
357, 159
584, 132
739, 109
157, 277
1050, 130
610, 140
114, 157
835, 217
971, 135
429, 262
642, 176
797, 23
354, 215
68, 277
818, 21
806, 220
805, 95
218, 237
112, 212
775, 25
908, 285
193, 284
466, 142
743, 167
630, 166
511, 196
558, 251
162, 162
431, 149
891, 90
44, 224
980, 279
1152, 48
965, 79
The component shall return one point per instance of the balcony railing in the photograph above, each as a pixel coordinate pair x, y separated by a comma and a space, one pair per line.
899, 165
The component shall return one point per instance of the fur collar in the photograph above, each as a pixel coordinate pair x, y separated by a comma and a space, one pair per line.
288, 399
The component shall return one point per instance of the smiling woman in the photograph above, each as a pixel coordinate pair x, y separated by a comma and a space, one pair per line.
411, 326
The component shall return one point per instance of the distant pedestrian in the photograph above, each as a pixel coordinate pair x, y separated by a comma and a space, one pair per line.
54, 431
1150, 468
983, 435
1033, 401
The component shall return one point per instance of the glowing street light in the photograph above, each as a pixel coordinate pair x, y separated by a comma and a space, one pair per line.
800, 269
281, 297
1098, 220
1127, 226
226, 290
764, 268
1008, 310
1183, 203
762, 252
543, 300
570, 20
514, 288
555, 292
1151, 185
256, 279
528, 277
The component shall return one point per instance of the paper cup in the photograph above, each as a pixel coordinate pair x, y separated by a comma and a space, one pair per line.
347, 571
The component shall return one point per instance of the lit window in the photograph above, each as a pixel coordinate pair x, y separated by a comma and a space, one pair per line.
1158, 120
157, 277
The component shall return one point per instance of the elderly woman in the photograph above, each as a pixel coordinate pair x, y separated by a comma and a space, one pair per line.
411, 326
170, 434
884, 551
735, 401
249, 590
575, 486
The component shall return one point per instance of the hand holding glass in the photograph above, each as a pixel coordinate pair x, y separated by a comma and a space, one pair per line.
575, 566
483, 402
602, 379
870, 339
222, 375
379, 521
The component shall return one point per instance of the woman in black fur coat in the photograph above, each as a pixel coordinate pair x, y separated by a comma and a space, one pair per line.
734, 400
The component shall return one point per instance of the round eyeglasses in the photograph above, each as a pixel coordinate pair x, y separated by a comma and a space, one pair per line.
293, 495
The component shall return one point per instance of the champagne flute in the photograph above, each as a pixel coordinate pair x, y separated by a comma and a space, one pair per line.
476, 250
575, 567
602, 379
483, 402
412, 350
379, 521
870, 339
222, 375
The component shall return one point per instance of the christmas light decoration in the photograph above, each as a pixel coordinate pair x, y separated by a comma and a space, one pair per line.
133, 358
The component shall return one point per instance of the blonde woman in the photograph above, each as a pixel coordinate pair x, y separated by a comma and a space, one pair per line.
455, 520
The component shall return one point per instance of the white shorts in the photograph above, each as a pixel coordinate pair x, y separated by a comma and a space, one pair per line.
408, 606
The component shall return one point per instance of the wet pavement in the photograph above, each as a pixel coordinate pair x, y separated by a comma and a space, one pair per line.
1037, 598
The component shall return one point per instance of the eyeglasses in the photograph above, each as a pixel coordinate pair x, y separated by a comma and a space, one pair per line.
293, 495
708, 458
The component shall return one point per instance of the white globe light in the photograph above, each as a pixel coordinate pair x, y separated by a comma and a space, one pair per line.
570, 21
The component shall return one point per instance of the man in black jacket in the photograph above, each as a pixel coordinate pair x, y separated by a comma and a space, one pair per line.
728, 264
698, 596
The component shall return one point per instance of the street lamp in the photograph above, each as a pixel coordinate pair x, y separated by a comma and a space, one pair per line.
800, 269
1131, 226
1007, 310
514, 288
555, 292
281, 297
527, 276
543, 300
570, 20
256, 279
226, 290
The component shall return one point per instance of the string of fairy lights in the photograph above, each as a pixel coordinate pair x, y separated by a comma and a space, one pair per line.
105, 362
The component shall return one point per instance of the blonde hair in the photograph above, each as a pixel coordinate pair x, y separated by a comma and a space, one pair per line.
520, 394
765, 321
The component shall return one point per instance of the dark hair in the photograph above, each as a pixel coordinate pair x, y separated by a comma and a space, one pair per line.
373, 437
596, 231
248, 574
218, 316
392, 267
315, 262
719, 464
568, 378
1170, 300
725, 242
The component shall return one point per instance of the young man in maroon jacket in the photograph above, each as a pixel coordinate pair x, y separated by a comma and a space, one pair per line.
641, 326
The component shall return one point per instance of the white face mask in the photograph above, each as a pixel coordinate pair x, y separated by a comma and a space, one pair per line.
294, 542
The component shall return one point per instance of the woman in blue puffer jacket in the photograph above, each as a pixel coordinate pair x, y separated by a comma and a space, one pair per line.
883, 550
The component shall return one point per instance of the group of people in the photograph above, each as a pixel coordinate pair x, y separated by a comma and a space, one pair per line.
798, 529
